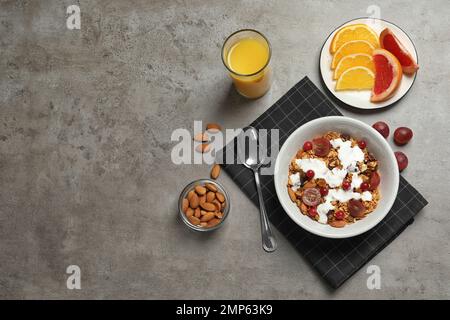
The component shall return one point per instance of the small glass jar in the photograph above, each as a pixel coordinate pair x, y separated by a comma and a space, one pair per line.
190, 187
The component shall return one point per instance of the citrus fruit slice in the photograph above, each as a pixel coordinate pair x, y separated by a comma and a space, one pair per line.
353, 60
356, 78
353, 32
390, 42
351, 47
388, 74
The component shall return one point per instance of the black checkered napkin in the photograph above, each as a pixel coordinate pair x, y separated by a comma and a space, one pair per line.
335, 259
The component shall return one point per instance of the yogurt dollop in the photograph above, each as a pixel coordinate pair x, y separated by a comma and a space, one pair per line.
295, 181
333, 177
322, 210
342, 196
348, 155
356, 181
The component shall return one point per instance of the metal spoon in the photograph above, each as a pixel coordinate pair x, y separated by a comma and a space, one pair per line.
250, 160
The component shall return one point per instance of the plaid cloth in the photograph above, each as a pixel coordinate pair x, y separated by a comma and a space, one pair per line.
335, 259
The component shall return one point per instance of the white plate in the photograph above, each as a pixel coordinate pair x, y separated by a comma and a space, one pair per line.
388, 170
361, 99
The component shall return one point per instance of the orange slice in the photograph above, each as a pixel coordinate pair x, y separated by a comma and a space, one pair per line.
390, 42
353, 32
351, 47
353, 60
356, 78
388, 75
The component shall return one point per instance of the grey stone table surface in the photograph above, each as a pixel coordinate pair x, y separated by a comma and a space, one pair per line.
86, 176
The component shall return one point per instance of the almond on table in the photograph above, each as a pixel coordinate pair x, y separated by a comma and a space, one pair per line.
203, 148
215, 171
201, 137
213, 127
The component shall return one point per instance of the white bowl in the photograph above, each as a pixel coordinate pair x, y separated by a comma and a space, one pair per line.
376, 144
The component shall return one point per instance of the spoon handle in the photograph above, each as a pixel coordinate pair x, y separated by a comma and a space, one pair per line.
268, 240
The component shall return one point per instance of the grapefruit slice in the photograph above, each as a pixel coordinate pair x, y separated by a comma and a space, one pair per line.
353, 60
356, 78
352, 32
390, 42
388, 75
351, 47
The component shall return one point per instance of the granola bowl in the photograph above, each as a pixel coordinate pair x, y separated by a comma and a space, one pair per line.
375, 159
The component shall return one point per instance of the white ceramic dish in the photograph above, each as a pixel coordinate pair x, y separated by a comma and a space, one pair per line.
388, 170
361, 99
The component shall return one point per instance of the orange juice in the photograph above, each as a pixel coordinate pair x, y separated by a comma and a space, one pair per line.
246, 54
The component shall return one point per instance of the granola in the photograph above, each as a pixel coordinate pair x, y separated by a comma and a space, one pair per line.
334, 179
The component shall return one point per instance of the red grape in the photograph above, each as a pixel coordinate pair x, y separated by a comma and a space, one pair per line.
310, 174
339, 215
356, 208
311, 197
402, 160
312, 212
307, 146
382, 128
374, 181
324, 191
346, 185
364, 186
402, 135
321, 147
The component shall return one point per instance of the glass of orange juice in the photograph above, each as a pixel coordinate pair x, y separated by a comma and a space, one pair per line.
246, 54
